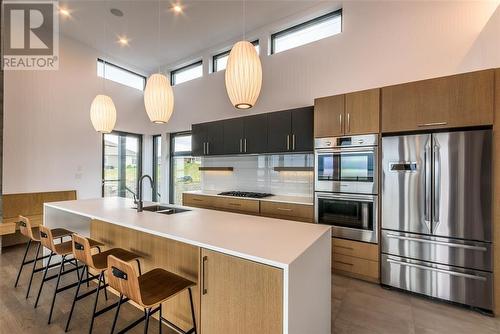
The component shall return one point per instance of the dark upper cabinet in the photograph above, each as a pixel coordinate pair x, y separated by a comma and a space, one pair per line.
233, 135
207, 139
302, 129
283, 131
198, 139
279, 132
255, 140
214, 138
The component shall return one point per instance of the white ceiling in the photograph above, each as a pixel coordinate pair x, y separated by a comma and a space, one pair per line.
202, 25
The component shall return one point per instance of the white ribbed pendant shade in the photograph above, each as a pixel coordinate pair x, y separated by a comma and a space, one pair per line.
159, 98
243, 75
103, 114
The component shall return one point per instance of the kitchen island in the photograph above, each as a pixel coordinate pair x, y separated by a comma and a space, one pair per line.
253, 274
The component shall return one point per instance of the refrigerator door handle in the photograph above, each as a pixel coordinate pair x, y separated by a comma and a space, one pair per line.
443, 271
436, 186
428, 190
434, 242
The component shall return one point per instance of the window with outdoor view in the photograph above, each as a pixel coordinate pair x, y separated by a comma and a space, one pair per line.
121, 164
185, 173
157, 167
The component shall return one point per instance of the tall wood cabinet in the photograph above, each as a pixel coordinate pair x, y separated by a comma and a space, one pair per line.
347, 114
448, 102
240, 296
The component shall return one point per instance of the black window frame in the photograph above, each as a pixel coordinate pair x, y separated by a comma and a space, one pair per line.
107, 63
225, 53
305, 24
155, 167
183, 68
171, 161
139, 163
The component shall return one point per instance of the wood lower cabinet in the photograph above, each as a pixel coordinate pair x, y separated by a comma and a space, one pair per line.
198, 201
240, 296
290, 211
356, 259
237, 205
449, 102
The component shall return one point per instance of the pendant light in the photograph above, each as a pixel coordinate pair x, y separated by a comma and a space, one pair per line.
243, 73
102, 109
158, 95
103, 114
159, 98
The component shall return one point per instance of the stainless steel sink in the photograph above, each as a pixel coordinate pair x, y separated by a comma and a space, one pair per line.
164, 209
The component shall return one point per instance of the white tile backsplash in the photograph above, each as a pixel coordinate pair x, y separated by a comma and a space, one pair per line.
255, 173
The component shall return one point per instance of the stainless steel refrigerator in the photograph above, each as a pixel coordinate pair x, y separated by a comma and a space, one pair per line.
436, 215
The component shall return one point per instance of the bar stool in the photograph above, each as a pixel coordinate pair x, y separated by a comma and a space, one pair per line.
97, 262
63, 249
33, 235
148, 290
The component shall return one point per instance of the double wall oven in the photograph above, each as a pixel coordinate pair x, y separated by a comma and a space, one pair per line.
346, 186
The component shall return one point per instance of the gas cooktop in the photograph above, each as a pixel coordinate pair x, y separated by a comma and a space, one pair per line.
245, 194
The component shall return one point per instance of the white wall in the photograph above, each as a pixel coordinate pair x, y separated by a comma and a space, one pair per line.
49, 142
382, 43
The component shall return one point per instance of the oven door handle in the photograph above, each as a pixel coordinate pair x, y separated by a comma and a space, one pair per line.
366, 198
348, 150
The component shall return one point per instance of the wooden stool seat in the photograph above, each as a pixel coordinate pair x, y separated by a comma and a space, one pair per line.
159, 285
149, 290
100, 260
56, 233
66, 248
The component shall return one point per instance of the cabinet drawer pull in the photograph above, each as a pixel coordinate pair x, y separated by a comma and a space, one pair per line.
197, 199
288, 142
344, 247
284, 209
293, 142
204, 269
235, 204
340, 122
437, 270
344, 263
432, 124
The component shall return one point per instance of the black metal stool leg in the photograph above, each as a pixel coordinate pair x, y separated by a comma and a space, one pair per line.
192, 310
96, 300
61, 267
104, 284
23, 262
34, 267
43, 279
160, 322
116, 314
74, 299
146, 321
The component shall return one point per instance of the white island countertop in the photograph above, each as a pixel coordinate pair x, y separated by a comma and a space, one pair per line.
274, 242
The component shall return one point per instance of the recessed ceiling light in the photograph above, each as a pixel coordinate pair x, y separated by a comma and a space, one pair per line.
64, 12
177, 8
123, 41
116, 12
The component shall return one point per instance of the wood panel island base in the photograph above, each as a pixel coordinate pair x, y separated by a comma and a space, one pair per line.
253, 274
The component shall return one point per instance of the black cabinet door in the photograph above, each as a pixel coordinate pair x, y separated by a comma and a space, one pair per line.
256, 130
279, 131
198, 139
302, 129
214, 138
233, 136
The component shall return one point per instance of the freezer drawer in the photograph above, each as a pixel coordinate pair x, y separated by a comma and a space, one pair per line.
454, 252
469, 287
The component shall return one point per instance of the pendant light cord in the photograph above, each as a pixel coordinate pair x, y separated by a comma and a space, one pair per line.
158, 41
244, 20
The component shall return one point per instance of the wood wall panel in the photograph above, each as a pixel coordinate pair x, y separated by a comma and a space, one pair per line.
179, 258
